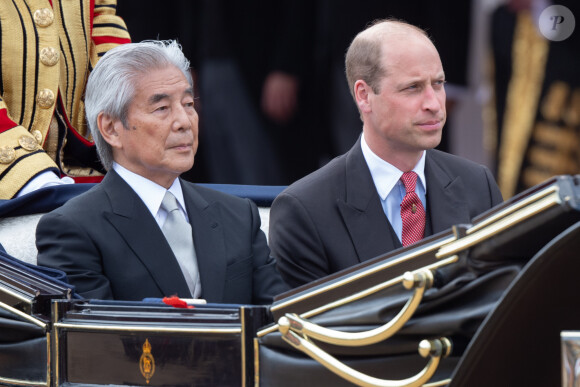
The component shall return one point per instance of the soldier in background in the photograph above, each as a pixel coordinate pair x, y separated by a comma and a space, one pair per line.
48, 51
537, 98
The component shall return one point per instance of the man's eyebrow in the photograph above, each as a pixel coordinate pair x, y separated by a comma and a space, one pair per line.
157, 97
161, 96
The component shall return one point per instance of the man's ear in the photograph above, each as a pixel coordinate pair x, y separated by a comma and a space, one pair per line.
362, 92
109, 129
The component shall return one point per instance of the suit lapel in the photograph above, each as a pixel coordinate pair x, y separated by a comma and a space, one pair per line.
137, 226
445, 196
209, 241
362, 211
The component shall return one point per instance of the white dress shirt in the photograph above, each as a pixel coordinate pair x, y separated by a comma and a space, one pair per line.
387, 179
152, 193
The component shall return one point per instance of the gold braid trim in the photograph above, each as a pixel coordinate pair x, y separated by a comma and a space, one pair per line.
561, 138
18, 176
572, 114
74, 40
105, 6
489, 111
96, 51
82, 172
103, 48
23, 80
554, 102
18, 171
99, 51
530, 52
3, 106
101, 26
549, 160
51, 140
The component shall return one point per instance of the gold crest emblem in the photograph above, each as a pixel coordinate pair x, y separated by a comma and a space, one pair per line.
28, 142
37, 136
43, 17
147, 362
7, 155
45, 98
49, 56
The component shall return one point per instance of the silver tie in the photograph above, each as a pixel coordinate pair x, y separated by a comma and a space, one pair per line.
178, 233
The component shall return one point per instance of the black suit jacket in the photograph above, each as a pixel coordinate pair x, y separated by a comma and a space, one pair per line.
333, 218
111, 247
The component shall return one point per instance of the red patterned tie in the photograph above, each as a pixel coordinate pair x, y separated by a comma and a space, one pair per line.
412, 211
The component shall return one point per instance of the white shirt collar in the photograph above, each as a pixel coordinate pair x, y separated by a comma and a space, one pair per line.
151, 193
385, 175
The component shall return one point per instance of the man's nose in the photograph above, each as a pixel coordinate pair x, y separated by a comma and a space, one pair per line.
432, 100
181, 118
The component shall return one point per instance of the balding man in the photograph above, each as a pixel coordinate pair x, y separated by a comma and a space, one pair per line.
392, 188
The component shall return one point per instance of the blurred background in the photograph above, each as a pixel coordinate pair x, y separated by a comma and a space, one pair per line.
274, 104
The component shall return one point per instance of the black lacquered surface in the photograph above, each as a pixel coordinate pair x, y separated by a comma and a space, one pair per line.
132, 343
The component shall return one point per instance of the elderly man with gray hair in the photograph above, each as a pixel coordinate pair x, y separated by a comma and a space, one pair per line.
144, 232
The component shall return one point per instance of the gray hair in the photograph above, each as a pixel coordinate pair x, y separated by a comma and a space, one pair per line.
111, 85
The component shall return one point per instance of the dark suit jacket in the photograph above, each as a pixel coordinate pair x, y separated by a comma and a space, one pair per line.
111, 247
333, 219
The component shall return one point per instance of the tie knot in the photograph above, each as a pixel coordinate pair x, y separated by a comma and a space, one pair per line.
409, 180
169, 202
